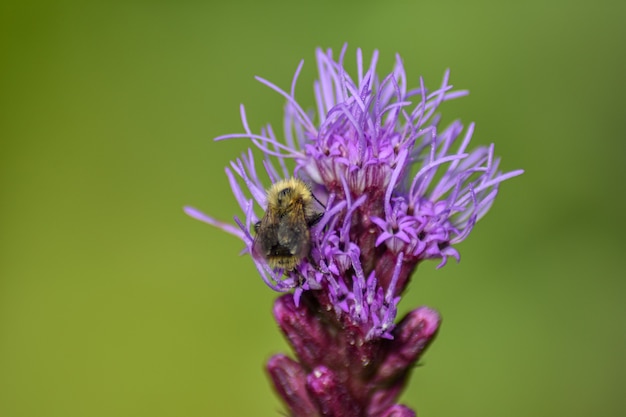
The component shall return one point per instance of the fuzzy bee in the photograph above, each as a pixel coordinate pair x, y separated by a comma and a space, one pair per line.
282, 236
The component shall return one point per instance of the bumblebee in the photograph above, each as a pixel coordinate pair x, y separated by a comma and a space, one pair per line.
282, 236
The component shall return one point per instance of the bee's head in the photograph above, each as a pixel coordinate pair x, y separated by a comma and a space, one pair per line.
286, 197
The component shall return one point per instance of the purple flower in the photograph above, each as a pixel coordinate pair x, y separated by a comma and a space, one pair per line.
397, 189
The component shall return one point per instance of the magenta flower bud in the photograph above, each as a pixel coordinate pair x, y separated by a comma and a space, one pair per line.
411, 337
290, 382
331, 394
382, 400
398, 411
306, 333
392, 189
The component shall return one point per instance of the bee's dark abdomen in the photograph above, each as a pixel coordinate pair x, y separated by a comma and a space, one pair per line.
280, 250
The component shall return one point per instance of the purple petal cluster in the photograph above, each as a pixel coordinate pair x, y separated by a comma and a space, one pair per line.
397, 189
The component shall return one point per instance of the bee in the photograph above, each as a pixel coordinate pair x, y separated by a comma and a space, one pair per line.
282, 236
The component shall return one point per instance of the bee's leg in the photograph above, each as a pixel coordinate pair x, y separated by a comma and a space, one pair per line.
314, 219
301, 278
320, 203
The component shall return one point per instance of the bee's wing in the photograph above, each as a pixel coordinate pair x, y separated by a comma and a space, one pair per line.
293, 233
266, 235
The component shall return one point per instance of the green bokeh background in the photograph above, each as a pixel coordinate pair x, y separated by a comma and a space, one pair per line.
114, 303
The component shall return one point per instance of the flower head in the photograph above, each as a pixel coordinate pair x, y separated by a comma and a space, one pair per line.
397, 189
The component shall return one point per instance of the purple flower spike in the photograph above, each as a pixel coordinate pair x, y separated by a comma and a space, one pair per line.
395, 189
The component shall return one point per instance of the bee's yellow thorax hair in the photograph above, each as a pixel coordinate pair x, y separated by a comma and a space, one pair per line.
299, 191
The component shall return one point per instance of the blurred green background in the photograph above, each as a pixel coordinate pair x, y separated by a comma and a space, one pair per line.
114, 303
